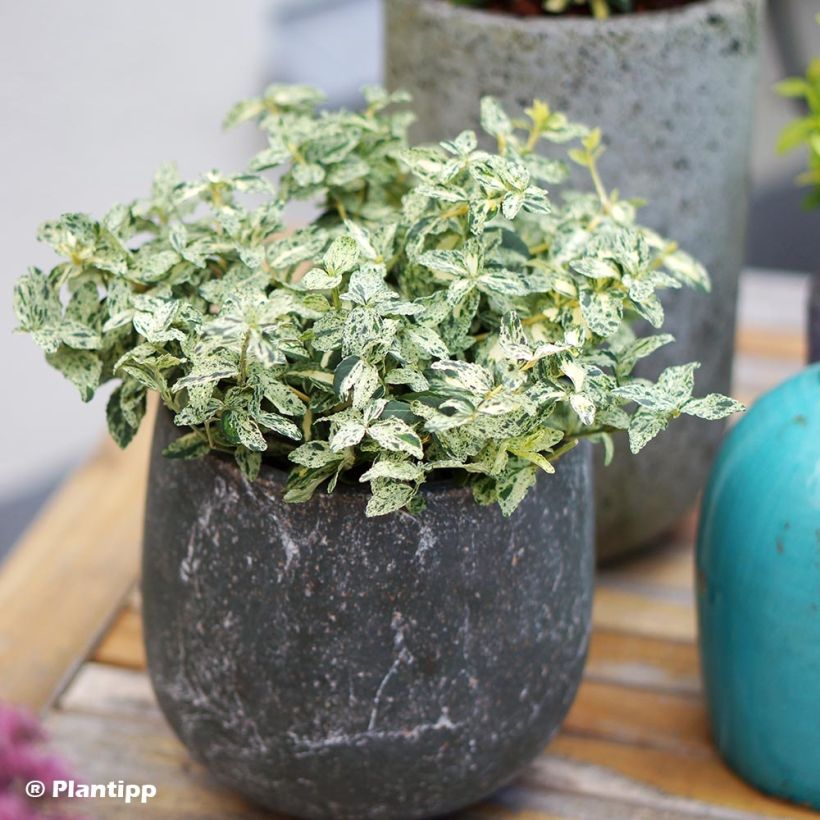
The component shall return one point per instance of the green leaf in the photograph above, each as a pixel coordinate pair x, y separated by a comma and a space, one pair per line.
428, 341
356, 376
303, 481
514, 483
644, 426
645, 394
276, 424
314, 454
37, 308
678, 382
639, 349
493, 119
584, 408
239, 428
473, 378
125, 410
602, 311
796, 133
347, 434
687, 270
594, 268
341, 256
188, 446
249, 462
388, 496
81, 367
317, 279
397, 436
391, 468
714, 406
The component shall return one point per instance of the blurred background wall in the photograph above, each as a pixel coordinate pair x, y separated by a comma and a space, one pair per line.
96, 94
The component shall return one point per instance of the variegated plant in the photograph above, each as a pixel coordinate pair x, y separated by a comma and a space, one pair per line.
442, 315
598, 8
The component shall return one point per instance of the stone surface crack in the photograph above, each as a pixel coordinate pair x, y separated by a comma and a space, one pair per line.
403, 655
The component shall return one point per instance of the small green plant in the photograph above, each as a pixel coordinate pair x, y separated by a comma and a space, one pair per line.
805, 130
599, 8
441, 315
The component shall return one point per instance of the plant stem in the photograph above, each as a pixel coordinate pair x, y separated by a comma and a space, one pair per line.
457, 210
243, 359
305, 398
307, 424
564, 448
599, 186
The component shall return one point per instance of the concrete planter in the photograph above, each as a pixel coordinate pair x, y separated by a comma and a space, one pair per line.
332, 666
674, 94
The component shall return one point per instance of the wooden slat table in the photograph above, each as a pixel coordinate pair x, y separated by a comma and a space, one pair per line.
635, 744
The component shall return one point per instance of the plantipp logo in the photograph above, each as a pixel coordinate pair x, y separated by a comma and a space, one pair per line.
116, 789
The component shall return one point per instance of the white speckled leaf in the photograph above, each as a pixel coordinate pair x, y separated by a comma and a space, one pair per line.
713, 406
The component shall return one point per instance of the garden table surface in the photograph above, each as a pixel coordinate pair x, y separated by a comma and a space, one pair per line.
635, 744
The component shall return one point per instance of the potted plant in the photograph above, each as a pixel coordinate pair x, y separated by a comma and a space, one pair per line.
333, 625
805, 131
672, 84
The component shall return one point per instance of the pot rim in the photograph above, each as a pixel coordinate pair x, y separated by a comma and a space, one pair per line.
271, 474
681, 17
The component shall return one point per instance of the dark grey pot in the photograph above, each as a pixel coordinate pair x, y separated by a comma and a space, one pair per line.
327, 665
674, 92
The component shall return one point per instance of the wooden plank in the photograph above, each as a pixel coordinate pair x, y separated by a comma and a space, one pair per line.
550, 774
109, 690
521, 801
701, 777
109, 747
639, 614
102, 748
639, 717
103, 696
122, 644
109, 726
768, 343
643, 662
69, 573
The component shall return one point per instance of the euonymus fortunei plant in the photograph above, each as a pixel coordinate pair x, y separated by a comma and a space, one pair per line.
442, 314
599, 8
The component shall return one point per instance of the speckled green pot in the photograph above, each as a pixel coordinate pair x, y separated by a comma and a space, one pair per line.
329, 665
674, 94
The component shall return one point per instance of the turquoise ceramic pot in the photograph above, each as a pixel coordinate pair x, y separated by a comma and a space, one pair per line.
758, 570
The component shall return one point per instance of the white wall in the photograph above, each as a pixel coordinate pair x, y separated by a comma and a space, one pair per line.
94, 95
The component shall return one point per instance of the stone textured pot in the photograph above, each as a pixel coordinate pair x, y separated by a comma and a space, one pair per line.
758, 570
332, 666
674, 94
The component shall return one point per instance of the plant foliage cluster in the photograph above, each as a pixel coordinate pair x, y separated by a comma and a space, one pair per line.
598, 8
805, 130
441, 315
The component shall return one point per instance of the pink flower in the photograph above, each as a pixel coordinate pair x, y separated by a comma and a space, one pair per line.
22, 759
